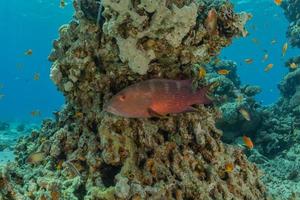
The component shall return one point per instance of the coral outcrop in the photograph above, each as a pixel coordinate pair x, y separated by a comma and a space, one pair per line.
91, 154
291, 10
276, 137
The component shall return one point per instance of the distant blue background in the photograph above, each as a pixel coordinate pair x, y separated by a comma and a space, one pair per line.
268, 23
34, 25
26, 25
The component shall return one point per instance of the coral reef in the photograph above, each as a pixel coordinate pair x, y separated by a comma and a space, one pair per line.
291, 10
231, 97
9, 134
91, 154
276, 136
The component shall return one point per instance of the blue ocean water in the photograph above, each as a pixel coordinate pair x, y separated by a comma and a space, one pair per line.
34, 25
29, 25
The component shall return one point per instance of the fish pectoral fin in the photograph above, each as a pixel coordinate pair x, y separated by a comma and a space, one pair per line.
192, 109
153, 113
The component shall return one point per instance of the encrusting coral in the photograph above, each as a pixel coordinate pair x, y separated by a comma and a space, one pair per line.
91, 154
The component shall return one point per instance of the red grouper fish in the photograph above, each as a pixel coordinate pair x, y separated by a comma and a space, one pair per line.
157, 97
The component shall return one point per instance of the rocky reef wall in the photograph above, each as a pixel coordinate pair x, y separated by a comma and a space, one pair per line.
90, 154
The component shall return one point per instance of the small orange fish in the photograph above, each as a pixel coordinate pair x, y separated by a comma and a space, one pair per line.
36, 77
284, 48
211, 22
245, 114
223, 72
202, 73
293, 65
269, 67
28, 52
278, 2
248, 142
229, 167
35, 158
35, 113
59, 165
248, 60
78, 114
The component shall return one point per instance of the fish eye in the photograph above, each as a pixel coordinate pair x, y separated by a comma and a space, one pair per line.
122, 98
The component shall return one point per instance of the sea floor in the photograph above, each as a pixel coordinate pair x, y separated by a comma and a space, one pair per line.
10, 132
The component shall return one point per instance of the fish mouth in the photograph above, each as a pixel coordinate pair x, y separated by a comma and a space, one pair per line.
109, 108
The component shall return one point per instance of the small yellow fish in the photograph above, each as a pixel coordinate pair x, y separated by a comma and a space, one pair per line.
269, 67
78, 114
255, 41
36, 77
35, 158
248, 60
284, 48
62, 4
59, 165
245, 114
28, 52
278, 2
35, 113
229, 167
266, 56
202, 73
239, 99
19, 66
248, 142
223, 72
293, 65
273, 41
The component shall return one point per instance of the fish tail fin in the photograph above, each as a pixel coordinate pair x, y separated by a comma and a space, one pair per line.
204, 95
